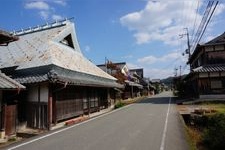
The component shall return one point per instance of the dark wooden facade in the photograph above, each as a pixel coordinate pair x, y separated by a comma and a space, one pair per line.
208, 69
63, 103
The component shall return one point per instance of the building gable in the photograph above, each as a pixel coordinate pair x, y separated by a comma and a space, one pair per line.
49, 45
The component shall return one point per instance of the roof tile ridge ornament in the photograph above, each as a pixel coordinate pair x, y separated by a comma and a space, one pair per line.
54, 24
52, 75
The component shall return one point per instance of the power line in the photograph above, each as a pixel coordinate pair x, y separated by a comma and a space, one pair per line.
208, 20
204, 22
194, 26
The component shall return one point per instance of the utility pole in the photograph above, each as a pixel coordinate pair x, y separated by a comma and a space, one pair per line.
180, 70
188, 44
175, 71
188, 50
106, 65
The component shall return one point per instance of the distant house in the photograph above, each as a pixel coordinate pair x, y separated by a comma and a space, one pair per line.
9, 90
122, 73
61, 83
156, 85
139, 74
207, 76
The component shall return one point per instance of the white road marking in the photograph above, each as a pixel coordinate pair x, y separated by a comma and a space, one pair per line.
162, 146
59, 131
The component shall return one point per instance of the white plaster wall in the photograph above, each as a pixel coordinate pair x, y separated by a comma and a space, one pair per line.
214, 74
44, 92
202, 75
209, 48
223, 74
33, 93
219, 47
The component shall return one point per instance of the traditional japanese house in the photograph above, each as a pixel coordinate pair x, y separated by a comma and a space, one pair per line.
156, 83
121, 72
61, 83
139, 74
9, 90
207, 76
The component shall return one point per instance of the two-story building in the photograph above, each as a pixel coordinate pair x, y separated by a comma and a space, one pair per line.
132, 86
207, 63
61, 83
9, 91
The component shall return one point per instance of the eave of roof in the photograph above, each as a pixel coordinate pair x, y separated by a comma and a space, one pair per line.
8, 83
57, 74
210, 68
130, 83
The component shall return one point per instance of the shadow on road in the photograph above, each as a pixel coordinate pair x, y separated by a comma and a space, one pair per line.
157, 100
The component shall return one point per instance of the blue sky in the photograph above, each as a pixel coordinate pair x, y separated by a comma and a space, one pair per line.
143, 33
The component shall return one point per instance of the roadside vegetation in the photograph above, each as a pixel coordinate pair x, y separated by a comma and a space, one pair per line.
206, 126
122, 103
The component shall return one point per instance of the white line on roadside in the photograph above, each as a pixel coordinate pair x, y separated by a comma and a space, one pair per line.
59, 131
162, 146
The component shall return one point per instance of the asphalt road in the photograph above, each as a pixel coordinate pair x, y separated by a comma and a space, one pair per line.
152, 124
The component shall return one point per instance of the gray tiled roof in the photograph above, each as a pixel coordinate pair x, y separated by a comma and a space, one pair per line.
133, 84
57, 74
210, 68
44, 47
32, 79
8, 83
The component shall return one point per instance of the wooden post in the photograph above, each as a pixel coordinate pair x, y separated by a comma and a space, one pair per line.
88, 99
132, 90
49, 106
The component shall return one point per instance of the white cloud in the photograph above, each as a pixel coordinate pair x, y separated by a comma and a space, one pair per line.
57, 17
46, 8
132, 66
87, 48
127, 56
166, 58
44, 14
220, 8
161, 21
41, 5
155, 73
60, 2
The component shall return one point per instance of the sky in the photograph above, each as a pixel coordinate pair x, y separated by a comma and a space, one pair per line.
143, 33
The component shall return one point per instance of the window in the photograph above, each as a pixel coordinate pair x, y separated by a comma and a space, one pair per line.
216, 84
219, 47
68, 41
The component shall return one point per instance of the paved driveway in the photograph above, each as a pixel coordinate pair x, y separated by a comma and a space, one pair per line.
152, 124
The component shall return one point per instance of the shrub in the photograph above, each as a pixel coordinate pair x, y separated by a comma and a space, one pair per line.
119, 104
214, 135
200, 121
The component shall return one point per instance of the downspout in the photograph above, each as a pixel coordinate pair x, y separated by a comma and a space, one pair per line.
39, 107
50, 109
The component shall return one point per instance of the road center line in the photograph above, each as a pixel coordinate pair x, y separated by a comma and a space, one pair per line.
162, 146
